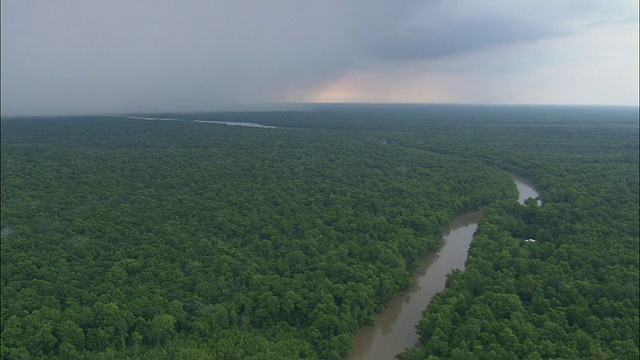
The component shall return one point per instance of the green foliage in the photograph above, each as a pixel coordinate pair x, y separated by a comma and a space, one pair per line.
130, 238
574, 292
178, 240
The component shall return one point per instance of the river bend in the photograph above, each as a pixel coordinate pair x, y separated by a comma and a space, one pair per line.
395, 327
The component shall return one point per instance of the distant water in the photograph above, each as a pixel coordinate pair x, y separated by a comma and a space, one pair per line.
236, 123
231, 123
150, 118
393, 116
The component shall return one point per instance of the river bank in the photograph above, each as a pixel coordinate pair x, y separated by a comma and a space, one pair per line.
394, 330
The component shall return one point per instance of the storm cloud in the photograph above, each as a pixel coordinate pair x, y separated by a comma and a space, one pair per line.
119, 56
441, 41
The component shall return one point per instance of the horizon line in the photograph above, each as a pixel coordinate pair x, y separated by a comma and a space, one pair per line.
277, 106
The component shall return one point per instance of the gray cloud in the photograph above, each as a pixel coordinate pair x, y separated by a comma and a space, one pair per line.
456, 38
113, 56
120, 56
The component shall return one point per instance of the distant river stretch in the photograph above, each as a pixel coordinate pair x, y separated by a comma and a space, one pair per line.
231, 123
395, 328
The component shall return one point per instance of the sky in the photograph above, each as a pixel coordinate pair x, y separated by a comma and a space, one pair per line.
76, 57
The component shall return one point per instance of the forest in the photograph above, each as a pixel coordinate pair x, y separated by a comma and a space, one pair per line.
125, 238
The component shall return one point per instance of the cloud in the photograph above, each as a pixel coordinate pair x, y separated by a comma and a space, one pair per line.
597, 66
438, 29
473, 35
119, 56
500, 52
141, 56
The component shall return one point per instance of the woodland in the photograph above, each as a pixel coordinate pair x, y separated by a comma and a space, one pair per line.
125, 238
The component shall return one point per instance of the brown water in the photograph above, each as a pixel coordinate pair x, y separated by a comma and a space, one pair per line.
394, 330
526, 189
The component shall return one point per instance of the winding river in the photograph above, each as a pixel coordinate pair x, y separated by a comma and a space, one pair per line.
394, 330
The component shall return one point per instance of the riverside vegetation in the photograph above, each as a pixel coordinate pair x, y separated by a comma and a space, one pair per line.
125, 238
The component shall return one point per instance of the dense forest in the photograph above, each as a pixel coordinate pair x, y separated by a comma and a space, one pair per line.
126, 238
574, 292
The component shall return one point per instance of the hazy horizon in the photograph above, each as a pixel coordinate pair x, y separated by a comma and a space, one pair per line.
318, 107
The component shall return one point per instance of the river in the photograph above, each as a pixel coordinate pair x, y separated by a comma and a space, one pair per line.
395, 327
231, 123
526, 189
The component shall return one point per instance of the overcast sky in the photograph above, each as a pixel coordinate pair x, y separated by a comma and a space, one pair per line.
68, 57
